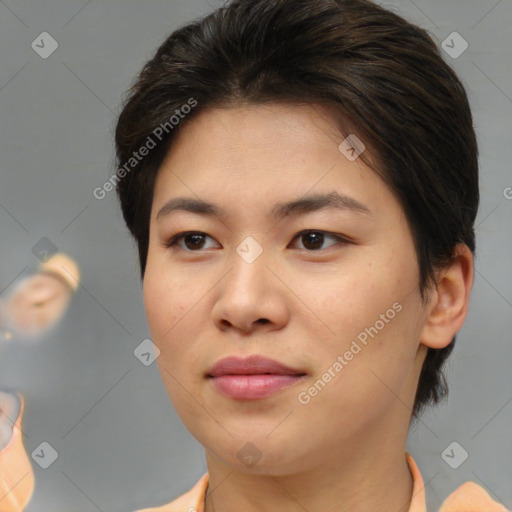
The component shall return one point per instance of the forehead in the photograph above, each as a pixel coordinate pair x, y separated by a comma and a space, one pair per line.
263, 154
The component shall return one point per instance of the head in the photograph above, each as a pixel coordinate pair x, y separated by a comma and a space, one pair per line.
249, 107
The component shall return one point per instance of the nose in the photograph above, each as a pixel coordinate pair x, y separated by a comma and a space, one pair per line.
251, 297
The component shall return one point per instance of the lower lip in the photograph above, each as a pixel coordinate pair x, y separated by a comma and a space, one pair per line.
253, 387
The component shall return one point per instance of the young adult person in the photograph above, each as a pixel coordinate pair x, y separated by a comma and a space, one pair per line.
301, 179
303, 203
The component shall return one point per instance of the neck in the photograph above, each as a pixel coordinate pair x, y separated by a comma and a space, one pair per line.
360, 480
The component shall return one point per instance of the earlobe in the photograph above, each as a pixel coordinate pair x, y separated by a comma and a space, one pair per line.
450, 300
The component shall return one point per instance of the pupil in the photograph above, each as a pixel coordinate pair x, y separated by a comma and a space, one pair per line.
319, 240
198, 240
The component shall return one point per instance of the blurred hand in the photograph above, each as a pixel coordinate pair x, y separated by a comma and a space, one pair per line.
39, 301
37, 304
17, 479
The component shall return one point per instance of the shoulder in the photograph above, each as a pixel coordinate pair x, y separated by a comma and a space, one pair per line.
471, 497
191, 501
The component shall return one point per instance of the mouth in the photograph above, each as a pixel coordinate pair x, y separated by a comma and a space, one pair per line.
252, 378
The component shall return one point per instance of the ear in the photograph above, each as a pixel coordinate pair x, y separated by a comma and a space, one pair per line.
449, 302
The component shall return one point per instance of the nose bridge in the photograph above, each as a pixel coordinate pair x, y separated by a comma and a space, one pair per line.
248, 266
250, 250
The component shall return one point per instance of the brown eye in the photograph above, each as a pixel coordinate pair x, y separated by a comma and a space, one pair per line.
313, 240
192, 241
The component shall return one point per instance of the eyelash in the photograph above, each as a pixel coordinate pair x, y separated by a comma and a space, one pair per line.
173, 240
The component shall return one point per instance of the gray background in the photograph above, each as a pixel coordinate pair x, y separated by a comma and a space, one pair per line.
121, 446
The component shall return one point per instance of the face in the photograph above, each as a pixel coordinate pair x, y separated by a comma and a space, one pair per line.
328, 289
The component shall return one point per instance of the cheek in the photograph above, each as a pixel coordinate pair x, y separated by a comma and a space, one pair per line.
170, 315
374, 305
165, 310
175, 312
355, 298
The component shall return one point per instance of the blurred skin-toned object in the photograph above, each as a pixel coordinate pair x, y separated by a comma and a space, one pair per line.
38, 302
35, 305
16, 473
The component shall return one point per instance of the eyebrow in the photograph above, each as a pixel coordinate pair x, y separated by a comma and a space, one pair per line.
301, 206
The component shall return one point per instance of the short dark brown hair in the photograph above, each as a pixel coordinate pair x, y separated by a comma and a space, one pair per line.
382, 75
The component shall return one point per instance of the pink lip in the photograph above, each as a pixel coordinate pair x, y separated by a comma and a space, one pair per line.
252, 378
